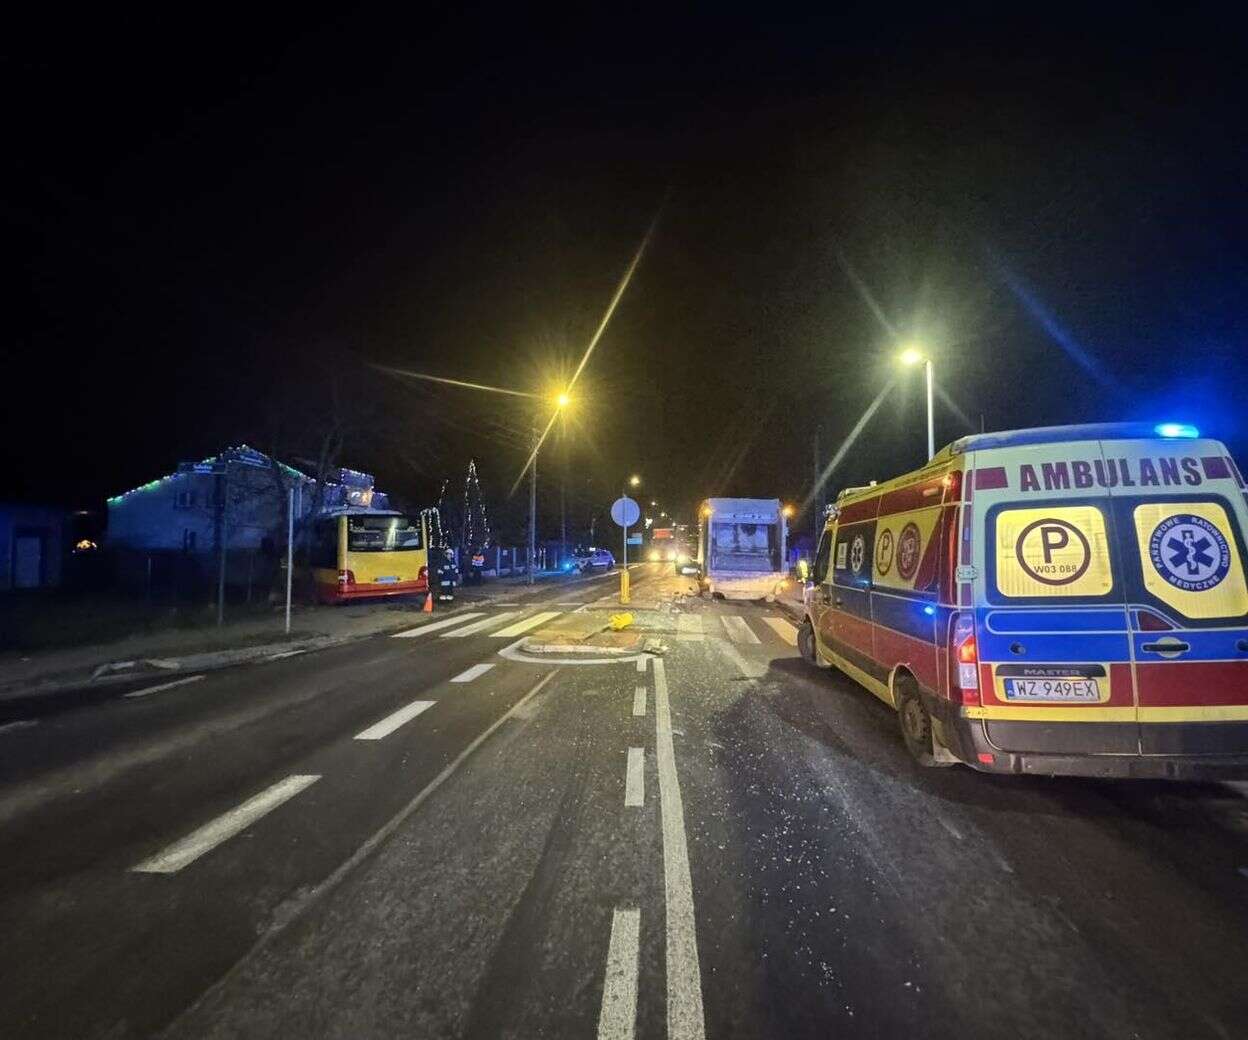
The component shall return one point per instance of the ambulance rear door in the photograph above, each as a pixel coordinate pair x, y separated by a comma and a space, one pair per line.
1052, 625
1180, 514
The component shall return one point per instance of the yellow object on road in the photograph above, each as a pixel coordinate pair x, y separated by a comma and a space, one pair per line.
624, 595
619, 621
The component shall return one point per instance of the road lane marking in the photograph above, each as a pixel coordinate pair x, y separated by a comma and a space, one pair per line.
750, 669
634, 778
163, 686
784, 629
475, 672
685, 1019
394, 720
19, 724
300, 904
738, 630
618, 1017
209, 836
639, 701
433, 626
641, 665
285, 653
571, 603
480, 626
505, 604
520, 627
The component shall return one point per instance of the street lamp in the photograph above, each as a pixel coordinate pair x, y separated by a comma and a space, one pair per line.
910, 357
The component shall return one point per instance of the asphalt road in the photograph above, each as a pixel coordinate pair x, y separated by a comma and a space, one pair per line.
716, 841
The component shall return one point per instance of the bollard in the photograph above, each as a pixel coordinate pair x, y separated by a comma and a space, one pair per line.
624, 594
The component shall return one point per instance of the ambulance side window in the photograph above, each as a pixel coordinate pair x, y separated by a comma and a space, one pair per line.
820, 575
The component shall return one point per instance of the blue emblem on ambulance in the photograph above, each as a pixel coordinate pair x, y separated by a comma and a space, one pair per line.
1189, 552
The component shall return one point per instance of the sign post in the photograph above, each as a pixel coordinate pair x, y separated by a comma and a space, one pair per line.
625, 512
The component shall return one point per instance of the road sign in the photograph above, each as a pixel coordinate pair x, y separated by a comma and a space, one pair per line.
634, 539
625, 512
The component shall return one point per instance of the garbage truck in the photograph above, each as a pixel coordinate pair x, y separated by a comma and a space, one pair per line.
741, 547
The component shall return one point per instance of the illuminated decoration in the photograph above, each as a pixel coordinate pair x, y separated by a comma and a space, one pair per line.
1175, 429
242, 455
476, 530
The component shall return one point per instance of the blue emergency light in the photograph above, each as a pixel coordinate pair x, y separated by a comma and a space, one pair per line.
1176, 429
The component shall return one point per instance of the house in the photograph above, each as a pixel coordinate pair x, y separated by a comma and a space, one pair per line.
33, 545
174, 525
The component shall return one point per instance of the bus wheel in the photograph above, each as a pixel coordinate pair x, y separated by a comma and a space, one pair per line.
916, 723
806, 644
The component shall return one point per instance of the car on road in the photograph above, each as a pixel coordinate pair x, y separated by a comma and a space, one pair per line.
584, 560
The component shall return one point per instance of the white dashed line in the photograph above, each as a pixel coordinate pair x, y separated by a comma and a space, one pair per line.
520, 627
618, 1017
209, 836
639, 701
738, 630
475, 672
685, 1018
641, 665
634, 778
480, 626
784, 629
393, 721
433, 626
147, 690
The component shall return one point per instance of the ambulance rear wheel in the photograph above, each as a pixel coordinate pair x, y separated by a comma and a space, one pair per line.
806, 645
916, 723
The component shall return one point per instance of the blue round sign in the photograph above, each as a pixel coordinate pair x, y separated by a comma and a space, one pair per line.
1189, 552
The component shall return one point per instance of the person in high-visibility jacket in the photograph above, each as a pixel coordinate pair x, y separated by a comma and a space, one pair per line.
446, 576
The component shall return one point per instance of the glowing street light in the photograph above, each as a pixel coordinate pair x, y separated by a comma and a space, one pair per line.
563, 400
910, 357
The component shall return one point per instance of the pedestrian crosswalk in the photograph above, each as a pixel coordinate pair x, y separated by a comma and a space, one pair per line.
754, 629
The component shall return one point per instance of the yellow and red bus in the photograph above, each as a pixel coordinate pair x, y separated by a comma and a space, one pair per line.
365, 553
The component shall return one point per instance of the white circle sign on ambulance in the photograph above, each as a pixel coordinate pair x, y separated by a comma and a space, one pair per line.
1189, 552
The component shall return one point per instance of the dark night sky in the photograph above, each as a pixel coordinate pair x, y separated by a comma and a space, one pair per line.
198, 217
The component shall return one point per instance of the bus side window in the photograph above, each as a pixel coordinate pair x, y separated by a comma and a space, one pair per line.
820, 575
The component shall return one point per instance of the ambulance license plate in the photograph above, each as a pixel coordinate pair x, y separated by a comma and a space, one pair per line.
1051, 689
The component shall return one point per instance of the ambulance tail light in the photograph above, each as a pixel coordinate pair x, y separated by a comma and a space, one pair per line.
963, 659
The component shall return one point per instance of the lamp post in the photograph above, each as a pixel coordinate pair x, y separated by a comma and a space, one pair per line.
562, 401
910, 357
632, 481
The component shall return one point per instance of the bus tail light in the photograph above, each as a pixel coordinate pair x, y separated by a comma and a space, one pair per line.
963, 659
423, 574
346, 577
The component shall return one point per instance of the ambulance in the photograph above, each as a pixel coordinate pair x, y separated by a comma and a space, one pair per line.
1067, 600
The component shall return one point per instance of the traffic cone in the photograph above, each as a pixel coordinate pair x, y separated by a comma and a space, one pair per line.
428, 607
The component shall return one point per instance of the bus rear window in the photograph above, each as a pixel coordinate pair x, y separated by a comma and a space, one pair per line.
744, 547
1052, 552
382, 533
1189, 558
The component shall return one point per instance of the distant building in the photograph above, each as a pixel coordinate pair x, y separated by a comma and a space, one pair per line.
34, 541
236, 497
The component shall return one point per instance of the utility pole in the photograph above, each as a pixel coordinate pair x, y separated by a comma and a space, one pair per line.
818, 497
563, 488
533, 508
222, 535
290, 546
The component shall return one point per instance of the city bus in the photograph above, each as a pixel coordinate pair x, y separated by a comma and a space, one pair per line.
366, 553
